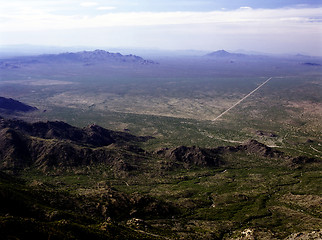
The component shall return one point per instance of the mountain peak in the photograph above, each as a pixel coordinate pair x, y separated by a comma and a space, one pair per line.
84, 57
223, 53
99, 56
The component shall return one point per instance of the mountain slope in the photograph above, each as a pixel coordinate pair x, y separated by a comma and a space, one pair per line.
29, 212
91, 135
57, 144
11, 105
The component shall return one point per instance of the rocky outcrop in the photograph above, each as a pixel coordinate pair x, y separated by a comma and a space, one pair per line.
193, 156
303, 160
266, 134
260, 149
214, 157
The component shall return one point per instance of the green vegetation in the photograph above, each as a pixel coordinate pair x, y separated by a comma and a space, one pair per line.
249, 192
249, 195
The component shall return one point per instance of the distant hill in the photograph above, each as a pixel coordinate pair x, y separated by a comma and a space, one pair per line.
12, 105
84, 57
223, 54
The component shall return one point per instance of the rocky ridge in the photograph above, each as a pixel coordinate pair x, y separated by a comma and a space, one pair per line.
58, 145
86, 58
214, 157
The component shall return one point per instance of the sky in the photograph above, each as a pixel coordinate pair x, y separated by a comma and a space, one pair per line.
274, 26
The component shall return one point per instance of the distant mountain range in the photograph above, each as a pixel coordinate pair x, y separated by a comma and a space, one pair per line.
84, 57
222, 55
102, 57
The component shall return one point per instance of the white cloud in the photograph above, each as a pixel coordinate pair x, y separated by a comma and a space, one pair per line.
88, 4
283, 26
106, 8
245, 8
32, 19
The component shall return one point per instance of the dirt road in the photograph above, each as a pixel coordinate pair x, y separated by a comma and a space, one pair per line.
219, 116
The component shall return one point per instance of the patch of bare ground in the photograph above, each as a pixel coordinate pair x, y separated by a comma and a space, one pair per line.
305, 235
200, 109
252, 234
310, 111
200, 229
311, 203
308, 107
294, 219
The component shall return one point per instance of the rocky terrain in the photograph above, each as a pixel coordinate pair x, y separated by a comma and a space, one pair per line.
91, 182
59, 145
32, 212
214, 157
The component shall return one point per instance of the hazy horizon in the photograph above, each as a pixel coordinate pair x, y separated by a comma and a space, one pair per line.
30, 50
275, 27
